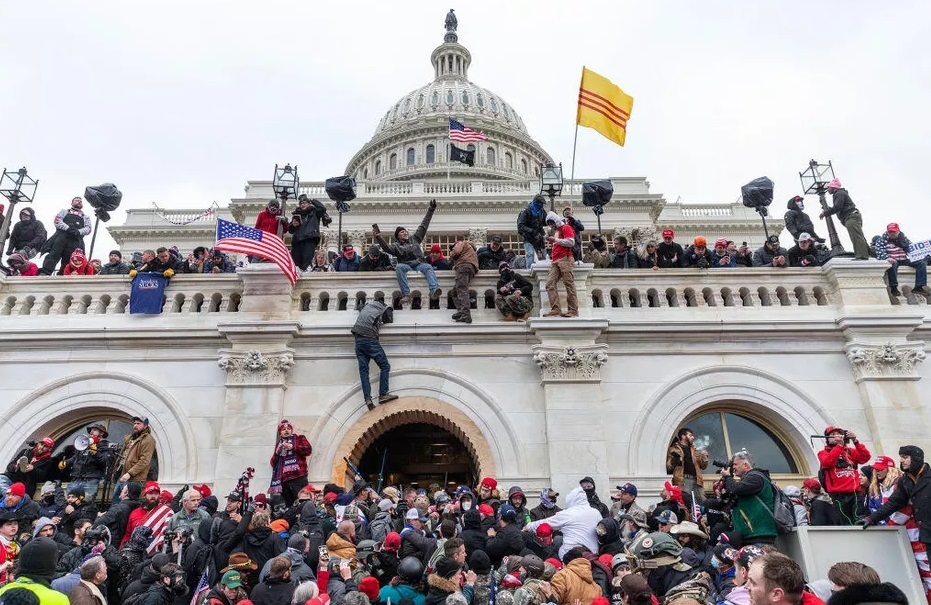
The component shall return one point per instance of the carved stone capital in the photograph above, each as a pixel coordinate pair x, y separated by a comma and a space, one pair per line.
478, 237
570, 363
357, 239
888, 361
254, 367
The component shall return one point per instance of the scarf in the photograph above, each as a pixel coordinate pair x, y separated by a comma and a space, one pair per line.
39, 458
288, 462
536, 209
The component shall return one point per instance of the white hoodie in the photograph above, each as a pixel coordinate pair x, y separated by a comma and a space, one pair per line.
576, 522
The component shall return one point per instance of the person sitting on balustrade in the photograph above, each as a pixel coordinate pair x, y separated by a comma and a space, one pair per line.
892, 247
409, 252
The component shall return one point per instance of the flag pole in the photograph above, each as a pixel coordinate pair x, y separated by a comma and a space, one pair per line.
575, 140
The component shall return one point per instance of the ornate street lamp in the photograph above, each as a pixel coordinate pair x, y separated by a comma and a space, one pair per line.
551, 182
815, 180
15, 187
285, 183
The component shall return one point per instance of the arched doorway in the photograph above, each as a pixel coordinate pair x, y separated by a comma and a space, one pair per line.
418, 454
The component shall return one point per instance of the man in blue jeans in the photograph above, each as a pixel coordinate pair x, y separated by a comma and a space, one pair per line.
409, 251
366, 330
892, 247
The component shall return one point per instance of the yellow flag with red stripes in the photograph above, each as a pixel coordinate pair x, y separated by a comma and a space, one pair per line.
603, 106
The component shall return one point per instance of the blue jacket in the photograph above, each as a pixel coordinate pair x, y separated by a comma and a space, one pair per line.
401, 591
341, 263
716, 259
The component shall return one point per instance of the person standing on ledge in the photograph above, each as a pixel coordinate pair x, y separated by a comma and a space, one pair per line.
289, 463
562, 267
849, 217
409, 251
366, 330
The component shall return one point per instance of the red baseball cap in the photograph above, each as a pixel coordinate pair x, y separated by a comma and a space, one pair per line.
554, 562
489, 482
17, 489
392, 541
892, 227
668, 233
151, 486
49, 442
544, 530
203, 489
486, 510
882, 462
812, 484
329, 497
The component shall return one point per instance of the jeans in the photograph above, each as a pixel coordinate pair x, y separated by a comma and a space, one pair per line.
531, 253
369, 349
425, 268
89, 486
689, 486
921, 272
116, 491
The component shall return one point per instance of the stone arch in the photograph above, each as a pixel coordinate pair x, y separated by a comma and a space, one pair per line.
78, 397
411, 410
423, 393
770, 398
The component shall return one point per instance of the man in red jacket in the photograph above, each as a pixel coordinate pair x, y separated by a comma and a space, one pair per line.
839, 465
270, 219
289, 463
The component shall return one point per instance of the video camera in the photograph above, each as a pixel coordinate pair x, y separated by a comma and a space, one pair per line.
182, 534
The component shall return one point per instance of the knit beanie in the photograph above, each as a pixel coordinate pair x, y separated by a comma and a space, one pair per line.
38, 560
917, 454
134, 489
447, 567
369, 587
479, 562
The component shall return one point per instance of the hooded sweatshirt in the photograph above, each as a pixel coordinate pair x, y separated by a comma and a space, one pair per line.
577, 523
78, 265
798, 222
28, 233
565, 237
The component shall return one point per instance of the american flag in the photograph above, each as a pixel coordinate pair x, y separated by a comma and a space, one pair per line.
158, 520
202, 587
696, 509
233, 237
463, 134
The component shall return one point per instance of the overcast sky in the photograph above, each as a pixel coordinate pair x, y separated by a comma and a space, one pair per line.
179, 103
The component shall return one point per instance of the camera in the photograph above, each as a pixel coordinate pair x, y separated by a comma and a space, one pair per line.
182, 534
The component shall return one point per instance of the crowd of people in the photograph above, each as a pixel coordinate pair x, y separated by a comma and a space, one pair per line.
407, 252
441, 545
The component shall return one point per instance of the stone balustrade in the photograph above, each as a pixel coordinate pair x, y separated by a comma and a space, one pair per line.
601, 292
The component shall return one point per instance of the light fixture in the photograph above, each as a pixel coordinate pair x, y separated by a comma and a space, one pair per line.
15, 187
285, 182
551, 181
815, 181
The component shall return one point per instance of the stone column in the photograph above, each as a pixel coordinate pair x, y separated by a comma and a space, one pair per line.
570, 364
256, 364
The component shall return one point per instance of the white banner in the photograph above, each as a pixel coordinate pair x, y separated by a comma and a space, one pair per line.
919, 250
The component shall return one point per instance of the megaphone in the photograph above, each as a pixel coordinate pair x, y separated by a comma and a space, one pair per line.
82, 442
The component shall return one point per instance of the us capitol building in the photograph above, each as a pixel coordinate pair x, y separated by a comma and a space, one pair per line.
749, 358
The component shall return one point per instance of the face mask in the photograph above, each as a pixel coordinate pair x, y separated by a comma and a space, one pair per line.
715, 563
801, 205
466, 505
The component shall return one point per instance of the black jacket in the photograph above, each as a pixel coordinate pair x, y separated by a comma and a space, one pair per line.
158, 594
117, 517
507, 541
489, 260
89, 464
626, 259
915, 491
415, 544
517, 282
473, 534
27, 234
380, 263
869, 594
531, 227
842, 206
822, 512
410, 251
693, 259
273, 591
310, 221
797, 222
796, 254
666, 254
147, 578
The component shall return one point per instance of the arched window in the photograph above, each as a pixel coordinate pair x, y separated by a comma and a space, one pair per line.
431, 154
365, 173
523, 166
490, 156
410, 156
377, 167
723, 433
508, 161
393, 161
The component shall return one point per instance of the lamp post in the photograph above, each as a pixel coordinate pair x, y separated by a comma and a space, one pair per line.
285, 184
815, 180
15, 187
551, 182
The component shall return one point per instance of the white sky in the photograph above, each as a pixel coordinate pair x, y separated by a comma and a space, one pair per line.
181, 102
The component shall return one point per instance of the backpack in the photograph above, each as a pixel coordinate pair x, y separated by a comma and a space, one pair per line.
136, 599
380, 527
783, 512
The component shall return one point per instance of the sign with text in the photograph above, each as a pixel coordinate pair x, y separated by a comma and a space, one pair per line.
147, 293
919, 250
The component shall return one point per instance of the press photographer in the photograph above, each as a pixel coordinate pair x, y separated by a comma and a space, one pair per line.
839, 473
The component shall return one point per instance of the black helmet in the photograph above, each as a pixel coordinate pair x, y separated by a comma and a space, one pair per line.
410, 569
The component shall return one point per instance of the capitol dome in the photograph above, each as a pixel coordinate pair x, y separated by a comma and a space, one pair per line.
411, 140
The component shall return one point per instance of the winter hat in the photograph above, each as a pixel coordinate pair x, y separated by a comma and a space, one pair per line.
151, 486
867, 471
17, 489
554, 562
210, 504
504, 267
486, 510
397, 230
165, 497
47, 488
668, 233
374, 250
548, 498
392, 542
479, 562
260, 499
882, 462
725, 553
78, 254
436, 248
134, 489
16, 258
446, 567
834, 184
720, 243
700, 241
533, 565
42, 523
544, 530
284, 424
538, 199
601, 601
141, 536
38, 560
279, 525
369, 587
507, 512
488, 482
385, 505
917, 454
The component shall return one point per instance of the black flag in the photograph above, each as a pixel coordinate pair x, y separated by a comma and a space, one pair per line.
461, 155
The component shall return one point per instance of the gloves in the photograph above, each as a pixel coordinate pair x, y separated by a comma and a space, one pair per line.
326, 220
433, 204
864, 522
92, 448
62, 465
168, 272
133, 273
